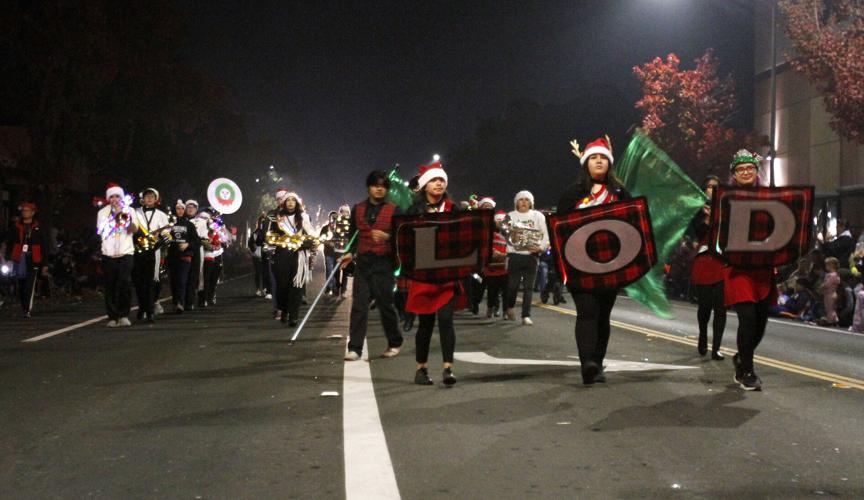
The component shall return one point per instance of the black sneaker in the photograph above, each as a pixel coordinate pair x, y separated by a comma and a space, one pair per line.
717, 356
449, 378
589, 373
702, 347
600, 378
750, 382
422, 377
739, 370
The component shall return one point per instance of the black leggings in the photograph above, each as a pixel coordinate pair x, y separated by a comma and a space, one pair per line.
445, 331
593, 310
710, 297
752, 320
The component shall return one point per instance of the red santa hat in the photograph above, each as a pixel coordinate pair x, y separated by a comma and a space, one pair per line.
500, 215
600, 146
280, 194
27, 204
112, 189
429, 172
486, 199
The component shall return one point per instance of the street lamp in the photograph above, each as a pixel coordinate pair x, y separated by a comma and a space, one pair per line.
436, 157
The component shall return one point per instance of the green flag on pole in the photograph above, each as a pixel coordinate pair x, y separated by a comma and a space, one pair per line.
673, 200
398, 194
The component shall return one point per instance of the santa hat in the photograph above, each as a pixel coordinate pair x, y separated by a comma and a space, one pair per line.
429, 172
500, 215
280, 194
27, 204
112, 189
294, 195
179, 204
600, 146
192, 202
204, 215
524, 194
149, 190
486, 199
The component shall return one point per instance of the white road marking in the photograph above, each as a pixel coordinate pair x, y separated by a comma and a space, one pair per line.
368, 469
100, 318
611, 365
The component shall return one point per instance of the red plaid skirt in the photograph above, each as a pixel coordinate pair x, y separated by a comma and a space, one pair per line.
707, 270
427, 298
749, 285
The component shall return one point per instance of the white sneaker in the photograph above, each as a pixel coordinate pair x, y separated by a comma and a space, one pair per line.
111, 324
352, 356
390, 352
268, 296
158, 309
527, 321
259, 293
124, 322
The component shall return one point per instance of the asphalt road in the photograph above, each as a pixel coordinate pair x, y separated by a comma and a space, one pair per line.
218, 404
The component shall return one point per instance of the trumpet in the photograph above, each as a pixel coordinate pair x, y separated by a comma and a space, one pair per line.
291, 242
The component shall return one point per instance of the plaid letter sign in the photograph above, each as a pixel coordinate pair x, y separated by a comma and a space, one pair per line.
761, 227
443, 247
603, 247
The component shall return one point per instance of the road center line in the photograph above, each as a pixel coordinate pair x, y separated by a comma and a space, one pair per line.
774, 363
368, 469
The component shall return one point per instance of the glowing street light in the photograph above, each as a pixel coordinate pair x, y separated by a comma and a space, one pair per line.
436, 157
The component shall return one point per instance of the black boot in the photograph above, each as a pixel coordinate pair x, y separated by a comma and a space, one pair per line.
422, 377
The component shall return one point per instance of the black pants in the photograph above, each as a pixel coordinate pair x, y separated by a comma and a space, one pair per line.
117, 276
710, 298
496, 287
259, 272
521, 268
178, 274
288, 296
370, 285
143, 271
445, 331
593, 310
27, 288
267, 270
212, 273
194, 277
752, 320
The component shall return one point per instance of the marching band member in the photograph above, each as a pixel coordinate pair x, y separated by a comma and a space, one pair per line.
328, 232
290, 265
707, 278
184, 245
24, 246
596, 186
267, 251
116, 226
431, 300
750, 291
145, 270
522, 261
218, 238
195, 283
374, 266
495, 274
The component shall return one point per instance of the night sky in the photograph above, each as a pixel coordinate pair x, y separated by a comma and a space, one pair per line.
345, 87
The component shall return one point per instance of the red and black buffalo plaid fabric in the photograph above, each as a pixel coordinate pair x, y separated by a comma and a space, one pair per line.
459, 234
603, 246
799, 199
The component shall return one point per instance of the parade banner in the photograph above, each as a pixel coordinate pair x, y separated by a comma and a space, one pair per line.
224, 195
604, 247
761, 227
443, 247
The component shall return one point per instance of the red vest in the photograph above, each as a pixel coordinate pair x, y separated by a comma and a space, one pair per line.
384, 222
35, 249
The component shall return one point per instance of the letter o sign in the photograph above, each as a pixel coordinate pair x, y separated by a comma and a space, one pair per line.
576, 252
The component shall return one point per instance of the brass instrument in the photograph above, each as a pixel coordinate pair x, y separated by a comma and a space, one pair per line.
148, 240
290, 242
521, 236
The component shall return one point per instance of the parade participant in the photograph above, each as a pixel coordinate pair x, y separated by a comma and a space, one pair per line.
495, 274
196, 283
597, 185
116, 226
522, 259
218, 238
290, 265
431, 300
750, 291
372, 255
24, 247
184, 245
257, 264
707, 277
327, 234
267, 252
148, 256
475, 285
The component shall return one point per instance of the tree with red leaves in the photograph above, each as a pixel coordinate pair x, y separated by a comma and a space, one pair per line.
828, 38
686, 113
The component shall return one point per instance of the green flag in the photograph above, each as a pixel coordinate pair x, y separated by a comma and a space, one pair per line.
673, 200
399, 194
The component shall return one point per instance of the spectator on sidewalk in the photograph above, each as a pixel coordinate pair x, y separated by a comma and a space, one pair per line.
828, 291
